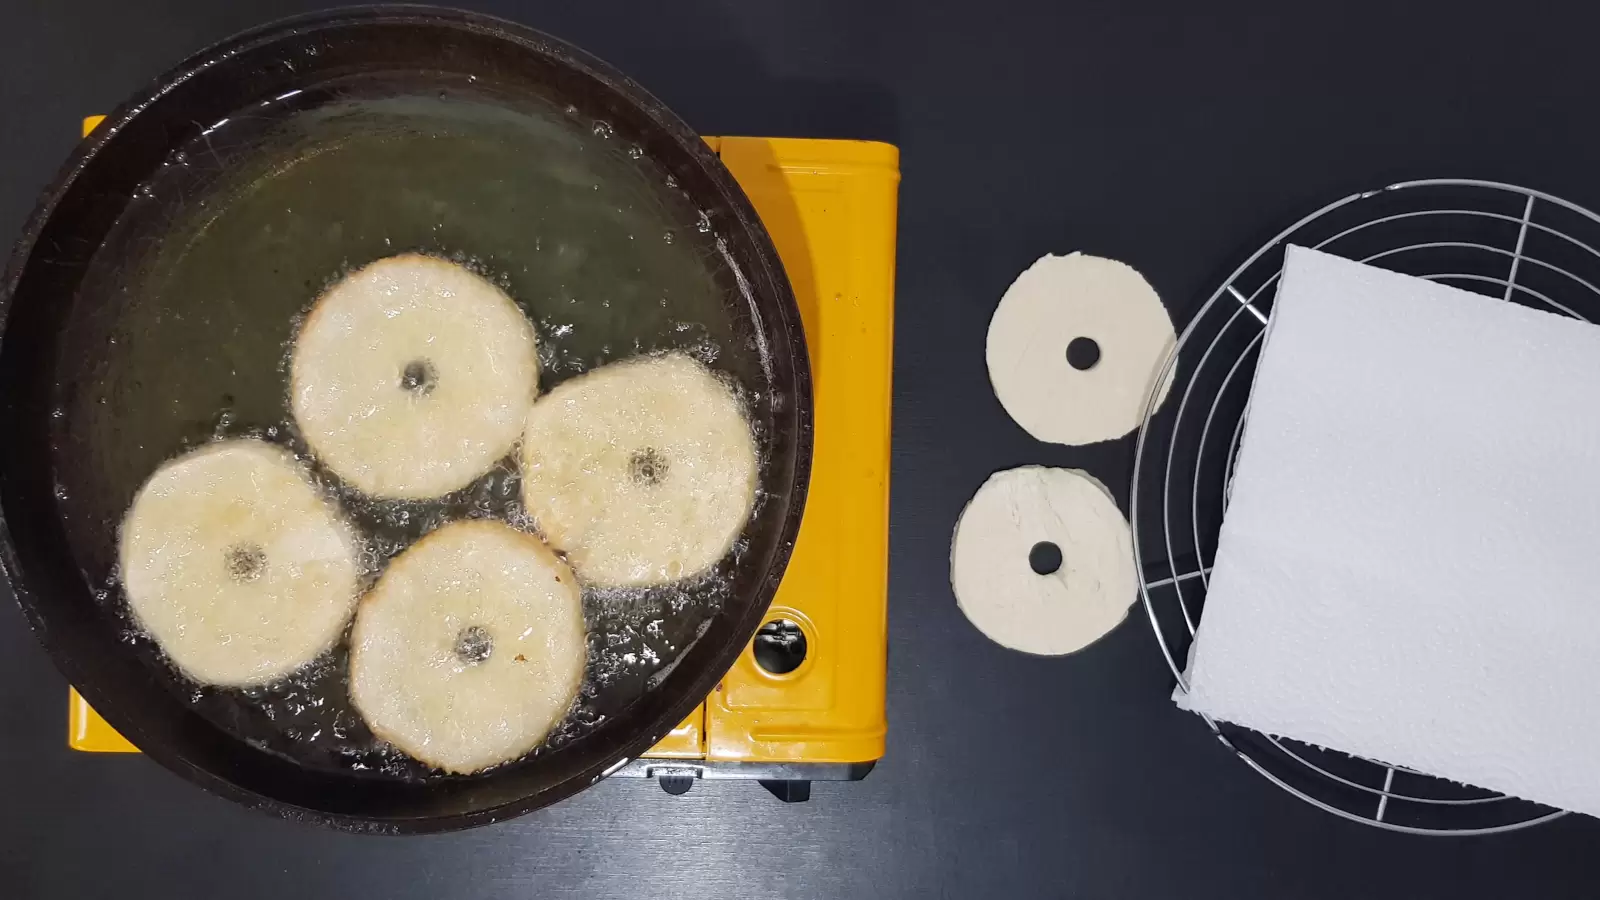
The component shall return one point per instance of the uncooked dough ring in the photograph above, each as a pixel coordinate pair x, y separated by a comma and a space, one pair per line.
470, 647
1058, 300
643, 471
411, 376
235, 564
995, 583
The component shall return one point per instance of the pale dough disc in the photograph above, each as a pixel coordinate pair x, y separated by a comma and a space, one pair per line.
470, 647
997, 587
236, 565
642, 471
411, 376
1062, 298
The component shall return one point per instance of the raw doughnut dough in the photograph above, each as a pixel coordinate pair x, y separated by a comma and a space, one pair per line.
236, 565
642, 472
997, 587
1058, 299
412, 376
470, 648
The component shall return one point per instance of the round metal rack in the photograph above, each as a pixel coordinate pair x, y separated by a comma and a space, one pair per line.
1520, 245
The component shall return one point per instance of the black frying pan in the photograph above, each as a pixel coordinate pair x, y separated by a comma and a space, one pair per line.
151, 300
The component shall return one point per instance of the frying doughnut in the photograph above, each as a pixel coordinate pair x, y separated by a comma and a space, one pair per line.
470, 647
235, 565
411, 376
643, 471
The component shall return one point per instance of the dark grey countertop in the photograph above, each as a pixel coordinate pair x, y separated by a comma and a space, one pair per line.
1175, 139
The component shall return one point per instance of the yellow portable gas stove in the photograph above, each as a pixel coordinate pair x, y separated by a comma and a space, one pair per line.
806, 700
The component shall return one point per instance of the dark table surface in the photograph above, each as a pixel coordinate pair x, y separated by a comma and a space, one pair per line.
1173, 138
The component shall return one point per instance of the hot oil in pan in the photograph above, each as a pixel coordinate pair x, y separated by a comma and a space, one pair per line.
185, 320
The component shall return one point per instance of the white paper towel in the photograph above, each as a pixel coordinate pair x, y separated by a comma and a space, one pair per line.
1409, 568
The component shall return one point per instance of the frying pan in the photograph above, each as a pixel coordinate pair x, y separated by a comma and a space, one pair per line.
149, 304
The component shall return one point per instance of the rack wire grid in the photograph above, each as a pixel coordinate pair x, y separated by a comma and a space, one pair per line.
1519, 245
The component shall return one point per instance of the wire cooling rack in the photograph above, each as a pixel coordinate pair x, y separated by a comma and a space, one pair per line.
1519, 245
